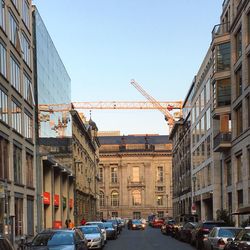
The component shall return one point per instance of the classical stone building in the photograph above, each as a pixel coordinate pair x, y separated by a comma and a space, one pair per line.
17, 145
69, 174
135, 176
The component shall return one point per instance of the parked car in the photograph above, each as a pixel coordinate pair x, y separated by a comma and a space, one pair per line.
167, 226
94, 236
217, 238
202, 230
5, 243
101, 226
157, 222
241, 241
137, 224
110, 230
117, 226
63, 239
185, 231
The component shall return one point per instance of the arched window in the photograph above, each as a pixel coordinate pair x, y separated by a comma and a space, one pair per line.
102, 203
114, 199
136, 198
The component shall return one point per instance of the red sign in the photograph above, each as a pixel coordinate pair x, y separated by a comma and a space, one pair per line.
46, 198
57, 224
56, 200
70, 203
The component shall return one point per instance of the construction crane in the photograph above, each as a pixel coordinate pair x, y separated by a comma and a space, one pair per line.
168, 116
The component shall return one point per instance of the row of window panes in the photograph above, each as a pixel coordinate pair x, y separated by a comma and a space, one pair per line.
135, 174
136, 199
201, 101
202, 153
203, 178
3, 107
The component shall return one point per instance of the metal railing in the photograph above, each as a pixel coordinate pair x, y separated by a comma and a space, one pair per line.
222, 138
220, 29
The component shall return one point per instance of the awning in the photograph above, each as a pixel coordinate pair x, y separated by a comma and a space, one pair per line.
242, 210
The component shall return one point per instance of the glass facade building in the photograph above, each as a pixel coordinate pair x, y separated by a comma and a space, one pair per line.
53, 82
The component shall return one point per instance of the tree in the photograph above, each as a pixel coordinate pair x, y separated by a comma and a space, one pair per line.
223, 214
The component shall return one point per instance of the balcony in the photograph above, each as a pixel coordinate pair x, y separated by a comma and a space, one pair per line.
222, 142
220, 30
140, 183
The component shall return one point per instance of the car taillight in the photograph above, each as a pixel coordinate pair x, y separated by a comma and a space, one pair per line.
221, 243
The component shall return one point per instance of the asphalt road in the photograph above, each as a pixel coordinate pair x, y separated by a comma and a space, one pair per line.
148, 239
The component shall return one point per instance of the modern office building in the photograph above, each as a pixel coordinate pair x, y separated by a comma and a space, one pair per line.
135, 176
17, 144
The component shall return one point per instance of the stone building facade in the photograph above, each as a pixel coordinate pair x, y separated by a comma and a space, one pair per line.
135, 176
17, 145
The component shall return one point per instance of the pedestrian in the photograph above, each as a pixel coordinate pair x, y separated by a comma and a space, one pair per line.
67, 223
83, 221
71, 225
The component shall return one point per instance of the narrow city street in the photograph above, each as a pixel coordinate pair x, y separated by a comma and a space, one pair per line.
149, 239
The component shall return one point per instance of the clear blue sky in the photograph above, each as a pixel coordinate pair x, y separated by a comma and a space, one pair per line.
105, 43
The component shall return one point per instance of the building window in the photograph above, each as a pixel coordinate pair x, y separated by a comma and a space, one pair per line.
4, 159
160, 189
101, 174
15, 74
102, 199
240, 198
114, 214
136, 215
223, 57
223, 92
159, 200
208, 119
16, 117
239, 167
203, 99
17, 164
238, 39
160, 174
229, 173
114, 175
208, 147
230, 203
135, 174
26, 13
15, 2
28, 126
239, 121
3, 60
27, 89
248, 152
3, 107
160, 214
208, 91
208, 174
18, 216
25, 49
13, 30
136, 198
29, 170
114, 199
2, 14
238, 78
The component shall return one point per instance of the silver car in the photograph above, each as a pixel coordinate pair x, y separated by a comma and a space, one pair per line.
93, 235
101, 226
217, 238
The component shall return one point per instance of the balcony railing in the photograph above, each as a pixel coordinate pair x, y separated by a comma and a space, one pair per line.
225, 3
222, 141
220, 29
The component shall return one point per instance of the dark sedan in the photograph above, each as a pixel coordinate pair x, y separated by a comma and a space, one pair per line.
137, 224
241, 241
110, 230
5, 243
185, 231
59, 240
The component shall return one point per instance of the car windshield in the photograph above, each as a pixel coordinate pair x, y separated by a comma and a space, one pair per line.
99, 224
171, 222
136, 222
90, 230
212, 225
54, 239
228, 232
108, 225
243, 235
113, 221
